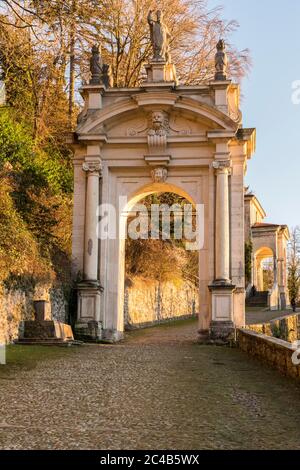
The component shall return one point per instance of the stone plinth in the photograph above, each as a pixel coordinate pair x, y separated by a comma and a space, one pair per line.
47, 329
42, 310
160, 71
44, 330
88, 327
222, 324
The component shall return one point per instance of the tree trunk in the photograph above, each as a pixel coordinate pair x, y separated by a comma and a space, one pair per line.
72, 63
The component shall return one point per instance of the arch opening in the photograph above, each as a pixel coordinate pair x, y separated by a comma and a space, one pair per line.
159, 277
265, 272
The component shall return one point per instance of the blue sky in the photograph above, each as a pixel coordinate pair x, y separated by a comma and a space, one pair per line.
270, 29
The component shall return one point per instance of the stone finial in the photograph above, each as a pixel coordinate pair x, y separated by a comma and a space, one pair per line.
221, 61
95, 66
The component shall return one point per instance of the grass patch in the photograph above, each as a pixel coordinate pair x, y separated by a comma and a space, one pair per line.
26, 357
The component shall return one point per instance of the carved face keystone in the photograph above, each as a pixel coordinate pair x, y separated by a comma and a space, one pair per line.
158, 120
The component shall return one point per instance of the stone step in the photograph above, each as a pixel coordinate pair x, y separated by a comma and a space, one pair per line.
260, 299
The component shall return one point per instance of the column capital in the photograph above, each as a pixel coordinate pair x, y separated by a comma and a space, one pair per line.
93, 167
222, 166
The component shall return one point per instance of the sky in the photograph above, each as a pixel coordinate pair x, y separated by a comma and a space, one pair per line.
270, 29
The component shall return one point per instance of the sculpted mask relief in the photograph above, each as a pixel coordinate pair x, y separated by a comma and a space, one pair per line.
159, 123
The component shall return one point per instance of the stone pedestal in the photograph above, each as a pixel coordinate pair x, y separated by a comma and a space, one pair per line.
40, 330
42, 310
160, 71
88, 326
222, 324
112, 336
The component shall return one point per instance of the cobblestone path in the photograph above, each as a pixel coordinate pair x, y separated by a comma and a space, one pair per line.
158, 389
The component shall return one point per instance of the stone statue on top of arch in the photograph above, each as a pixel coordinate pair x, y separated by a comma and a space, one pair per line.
160, 37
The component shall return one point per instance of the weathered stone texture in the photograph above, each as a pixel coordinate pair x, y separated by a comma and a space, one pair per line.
147, 302
286, 328
273, 351
16, 306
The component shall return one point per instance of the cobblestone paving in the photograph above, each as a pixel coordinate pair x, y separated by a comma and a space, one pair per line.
158, 389
256, 316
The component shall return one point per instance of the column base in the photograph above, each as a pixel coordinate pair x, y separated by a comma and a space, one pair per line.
112, 336
222, 327
203, 336
88, 331
88, 326
219, 333
222, 332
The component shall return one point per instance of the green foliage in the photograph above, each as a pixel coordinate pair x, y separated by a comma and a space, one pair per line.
33, 166
19, 251
294, 266
248, 261
293, 284
35, 185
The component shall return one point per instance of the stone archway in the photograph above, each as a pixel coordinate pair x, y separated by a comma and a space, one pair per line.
160, 136
112, 254
270, 241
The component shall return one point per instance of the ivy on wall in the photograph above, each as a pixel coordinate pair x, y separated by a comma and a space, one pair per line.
248, 261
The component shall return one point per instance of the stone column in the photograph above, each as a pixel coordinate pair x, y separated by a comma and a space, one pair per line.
222, 325
260, 275
88, 325
222, 239
93, 170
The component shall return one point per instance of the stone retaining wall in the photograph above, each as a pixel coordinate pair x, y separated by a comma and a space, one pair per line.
285, 328
148, 302
273, 351
16, 306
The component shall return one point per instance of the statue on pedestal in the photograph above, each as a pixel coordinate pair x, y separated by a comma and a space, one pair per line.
95, 66
221, 61
160, 37
100, 73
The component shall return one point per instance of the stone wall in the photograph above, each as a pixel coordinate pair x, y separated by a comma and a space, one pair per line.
285, 328
148, 302
16, 306
273, 351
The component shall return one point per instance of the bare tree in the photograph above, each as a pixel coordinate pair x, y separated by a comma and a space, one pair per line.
72, 26
294, 266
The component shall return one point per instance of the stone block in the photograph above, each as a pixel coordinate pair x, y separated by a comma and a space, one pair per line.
47, 329
42, 310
